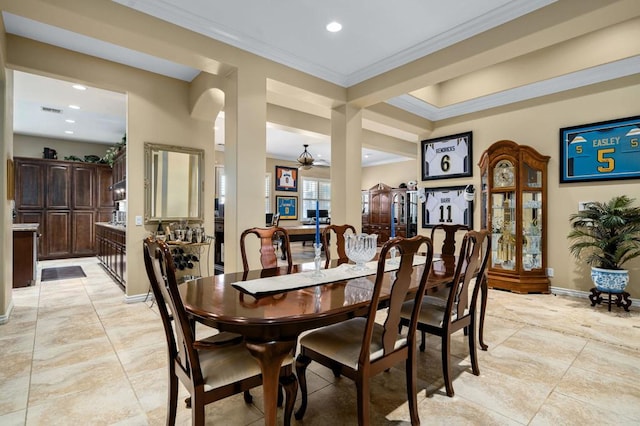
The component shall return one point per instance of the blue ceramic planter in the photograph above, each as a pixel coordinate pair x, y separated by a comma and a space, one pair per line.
610, 280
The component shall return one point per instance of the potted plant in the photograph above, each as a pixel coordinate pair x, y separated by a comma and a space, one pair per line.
606, 236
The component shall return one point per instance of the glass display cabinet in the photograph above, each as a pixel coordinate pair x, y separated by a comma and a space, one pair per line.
513, 203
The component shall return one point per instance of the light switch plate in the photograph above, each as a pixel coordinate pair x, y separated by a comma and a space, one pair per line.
138, 220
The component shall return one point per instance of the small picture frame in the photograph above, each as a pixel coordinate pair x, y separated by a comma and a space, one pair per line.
601, 151
446, 205
287, 207
447, 157
286, 179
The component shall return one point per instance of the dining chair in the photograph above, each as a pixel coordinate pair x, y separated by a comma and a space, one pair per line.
450, 232
268, 255
360, 348
275, 220
458, 311
339, 231
209, 369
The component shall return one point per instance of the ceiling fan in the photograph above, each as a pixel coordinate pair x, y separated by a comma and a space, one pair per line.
306, 160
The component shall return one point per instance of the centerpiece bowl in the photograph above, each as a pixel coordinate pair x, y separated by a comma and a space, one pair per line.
361, 248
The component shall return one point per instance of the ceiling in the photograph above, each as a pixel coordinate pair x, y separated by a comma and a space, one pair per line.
377, 36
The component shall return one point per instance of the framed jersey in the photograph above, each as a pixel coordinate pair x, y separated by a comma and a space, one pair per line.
446, 205
447, 157
600, 151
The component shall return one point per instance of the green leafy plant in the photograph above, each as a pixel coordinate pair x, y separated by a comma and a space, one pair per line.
111, 153
606, 235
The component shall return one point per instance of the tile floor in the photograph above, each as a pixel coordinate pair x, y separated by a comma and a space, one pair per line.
74, 353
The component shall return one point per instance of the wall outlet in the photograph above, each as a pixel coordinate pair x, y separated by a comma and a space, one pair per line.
550, 272
138, 220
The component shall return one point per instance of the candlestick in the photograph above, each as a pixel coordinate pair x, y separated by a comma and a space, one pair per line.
393, 222
317, 272
317, 223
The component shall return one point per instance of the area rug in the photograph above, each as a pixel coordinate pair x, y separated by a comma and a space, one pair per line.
62, 273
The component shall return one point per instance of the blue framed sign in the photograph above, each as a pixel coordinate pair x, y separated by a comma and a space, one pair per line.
287, 207
600, 151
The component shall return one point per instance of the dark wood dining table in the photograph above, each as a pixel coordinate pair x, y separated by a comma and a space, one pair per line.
271, 323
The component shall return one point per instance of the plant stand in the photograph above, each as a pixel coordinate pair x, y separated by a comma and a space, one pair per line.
622, 299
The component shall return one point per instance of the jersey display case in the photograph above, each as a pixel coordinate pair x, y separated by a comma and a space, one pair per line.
513, 207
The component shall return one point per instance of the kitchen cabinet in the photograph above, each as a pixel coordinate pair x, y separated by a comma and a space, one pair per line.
65, 198
112, 250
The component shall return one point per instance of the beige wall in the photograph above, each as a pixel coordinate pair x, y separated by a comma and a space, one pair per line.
33, 147
391, 174
538, 126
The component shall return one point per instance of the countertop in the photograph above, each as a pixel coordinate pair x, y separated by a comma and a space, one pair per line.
33, 227
112, 226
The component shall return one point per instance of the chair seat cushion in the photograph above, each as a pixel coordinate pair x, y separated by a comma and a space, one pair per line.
343, 341
431, 311
228, 364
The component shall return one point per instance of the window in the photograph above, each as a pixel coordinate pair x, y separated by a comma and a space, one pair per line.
220, 188
315, 190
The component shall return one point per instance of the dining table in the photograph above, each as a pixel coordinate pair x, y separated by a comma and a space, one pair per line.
271, 321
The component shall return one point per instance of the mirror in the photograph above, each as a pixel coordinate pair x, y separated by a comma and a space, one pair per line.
173, 183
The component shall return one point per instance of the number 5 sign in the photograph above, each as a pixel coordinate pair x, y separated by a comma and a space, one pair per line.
446, 205
447, 157
600, 151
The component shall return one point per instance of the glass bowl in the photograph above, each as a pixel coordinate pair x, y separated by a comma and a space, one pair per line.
361, 248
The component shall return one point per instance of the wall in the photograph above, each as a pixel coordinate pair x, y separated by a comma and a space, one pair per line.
538, 126
33, 147
391, 174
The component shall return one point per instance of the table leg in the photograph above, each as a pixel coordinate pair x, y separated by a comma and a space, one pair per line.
483, 310
270, 356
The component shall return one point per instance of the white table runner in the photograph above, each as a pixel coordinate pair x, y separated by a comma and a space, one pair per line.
304, 279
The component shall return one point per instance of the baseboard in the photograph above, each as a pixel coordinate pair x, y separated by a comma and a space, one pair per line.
579, 293
137, 298
5, 318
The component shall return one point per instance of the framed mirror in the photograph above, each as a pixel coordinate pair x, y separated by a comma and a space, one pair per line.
174, 177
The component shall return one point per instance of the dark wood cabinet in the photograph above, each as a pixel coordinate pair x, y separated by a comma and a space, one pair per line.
112, 253
120, 176
25, 254
58, 234
381, 203
66, 198
84, 189
29, 179
58, 186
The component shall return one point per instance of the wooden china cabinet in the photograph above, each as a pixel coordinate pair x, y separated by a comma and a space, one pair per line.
381, 203
514, 208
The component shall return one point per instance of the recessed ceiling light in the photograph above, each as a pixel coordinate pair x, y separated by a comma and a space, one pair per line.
69, 132
74, 107
334, 27
68, 120
79, 87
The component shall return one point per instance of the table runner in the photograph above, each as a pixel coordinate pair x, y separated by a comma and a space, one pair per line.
279, 283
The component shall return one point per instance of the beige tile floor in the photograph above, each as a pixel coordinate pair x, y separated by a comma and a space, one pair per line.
74, 353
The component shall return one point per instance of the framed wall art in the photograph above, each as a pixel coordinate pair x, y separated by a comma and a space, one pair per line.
447, 157
286, 179
446, 205
287, 207
600, 151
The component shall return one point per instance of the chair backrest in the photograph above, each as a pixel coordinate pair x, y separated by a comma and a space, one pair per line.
472, 258
268, 255
162, 275
339, 231
401, 281
449, 241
